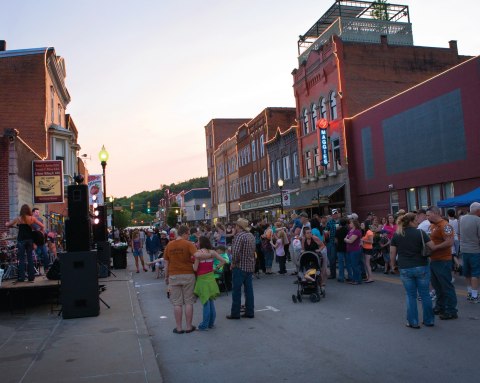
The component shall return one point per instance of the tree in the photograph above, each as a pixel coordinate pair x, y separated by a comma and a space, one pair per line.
121, 219
172, 215
379, 10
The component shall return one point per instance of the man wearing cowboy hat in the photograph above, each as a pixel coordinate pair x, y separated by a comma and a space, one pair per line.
243, 267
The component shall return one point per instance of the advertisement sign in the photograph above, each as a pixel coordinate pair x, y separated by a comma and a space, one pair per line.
324, 146
47, 181
95, 187
286, 198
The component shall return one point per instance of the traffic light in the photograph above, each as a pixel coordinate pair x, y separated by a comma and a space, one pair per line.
148, 207
131, 205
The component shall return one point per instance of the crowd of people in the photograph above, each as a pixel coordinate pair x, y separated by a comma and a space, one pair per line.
424, 247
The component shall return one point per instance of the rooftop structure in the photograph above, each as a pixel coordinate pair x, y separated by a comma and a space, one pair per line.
358, 21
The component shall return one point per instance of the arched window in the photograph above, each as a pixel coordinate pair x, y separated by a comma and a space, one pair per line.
314, 117
323, 108
333, 106
305, 122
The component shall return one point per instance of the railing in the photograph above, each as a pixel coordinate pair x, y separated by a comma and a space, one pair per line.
364, 31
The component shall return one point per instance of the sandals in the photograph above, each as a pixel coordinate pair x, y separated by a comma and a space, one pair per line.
191, 330
175, 331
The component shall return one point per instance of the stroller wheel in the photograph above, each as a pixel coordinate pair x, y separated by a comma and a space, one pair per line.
323, 292
314, 297
299, 297
294, 298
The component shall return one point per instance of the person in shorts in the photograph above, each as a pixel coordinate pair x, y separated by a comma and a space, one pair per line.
180, 278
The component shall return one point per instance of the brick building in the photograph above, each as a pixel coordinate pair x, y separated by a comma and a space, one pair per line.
356, 55
33, 124
216, 132
418, 147
254, 173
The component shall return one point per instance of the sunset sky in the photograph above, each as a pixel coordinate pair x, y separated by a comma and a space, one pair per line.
146, 76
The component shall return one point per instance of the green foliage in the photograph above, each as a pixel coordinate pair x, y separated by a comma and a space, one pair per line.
140, 200
172, 216
121, 219
380, 10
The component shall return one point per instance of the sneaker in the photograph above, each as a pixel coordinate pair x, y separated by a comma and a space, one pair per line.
433, 295
473, 300
448, 316
469, 295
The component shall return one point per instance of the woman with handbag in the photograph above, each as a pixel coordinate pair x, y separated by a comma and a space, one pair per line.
24, 223
410, 245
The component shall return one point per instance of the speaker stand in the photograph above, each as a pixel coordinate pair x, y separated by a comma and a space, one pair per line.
102, 266
102, 288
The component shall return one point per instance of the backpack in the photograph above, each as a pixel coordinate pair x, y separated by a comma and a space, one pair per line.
53, 272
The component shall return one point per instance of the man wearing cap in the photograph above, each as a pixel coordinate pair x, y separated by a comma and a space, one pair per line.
243, 267
305, 222
329, 233
152, 245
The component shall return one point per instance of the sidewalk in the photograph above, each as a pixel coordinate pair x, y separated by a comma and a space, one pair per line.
113, 347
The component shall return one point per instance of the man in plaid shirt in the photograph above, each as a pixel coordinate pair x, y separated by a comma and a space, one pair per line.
243, 267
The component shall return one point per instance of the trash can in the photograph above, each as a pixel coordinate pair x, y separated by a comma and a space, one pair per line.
119, 256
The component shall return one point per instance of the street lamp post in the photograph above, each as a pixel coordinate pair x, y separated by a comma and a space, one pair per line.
103, 157
204, 205
113, 225
280, 185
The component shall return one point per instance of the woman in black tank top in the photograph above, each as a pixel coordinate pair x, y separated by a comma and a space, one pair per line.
24, 241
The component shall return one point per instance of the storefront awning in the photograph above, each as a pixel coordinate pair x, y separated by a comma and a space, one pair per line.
320, 196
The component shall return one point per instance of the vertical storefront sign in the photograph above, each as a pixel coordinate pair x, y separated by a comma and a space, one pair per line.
47, 181
95, 187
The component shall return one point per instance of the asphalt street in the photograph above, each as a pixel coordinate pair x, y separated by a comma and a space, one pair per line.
355, 334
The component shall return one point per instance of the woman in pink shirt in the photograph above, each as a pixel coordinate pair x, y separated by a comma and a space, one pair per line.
206, 287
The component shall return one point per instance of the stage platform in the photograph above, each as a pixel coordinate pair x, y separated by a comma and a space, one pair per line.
39, 282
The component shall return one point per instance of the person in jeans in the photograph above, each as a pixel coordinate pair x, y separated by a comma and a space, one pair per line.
329, 235
341, 251
152, 245
243, 266
24, 224
414, 270
442, 235
470, 248
354, 250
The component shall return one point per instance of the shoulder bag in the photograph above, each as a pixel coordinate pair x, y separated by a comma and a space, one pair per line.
426, 251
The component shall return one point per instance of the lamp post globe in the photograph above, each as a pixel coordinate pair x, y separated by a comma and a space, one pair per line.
204, 205
280, 185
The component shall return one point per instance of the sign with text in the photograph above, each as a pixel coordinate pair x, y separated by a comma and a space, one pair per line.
95, 187
47, 181
324, 146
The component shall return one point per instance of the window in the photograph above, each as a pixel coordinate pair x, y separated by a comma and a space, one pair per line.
308, 163
411, 199
318, 167
448, 190
264, 179
247, 150
305, 122
262, 149
279, 169
254, 152
60, 150
314, 117
295, 164
52, 103
286, 167
337, 163
249, 182
272, 172
323, 108
333, 106
423, 197
435, 194
255, 182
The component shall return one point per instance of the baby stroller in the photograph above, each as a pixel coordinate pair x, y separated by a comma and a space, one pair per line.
309, 277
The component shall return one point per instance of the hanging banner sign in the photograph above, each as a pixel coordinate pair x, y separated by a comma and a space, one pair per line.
47, 181
95, 187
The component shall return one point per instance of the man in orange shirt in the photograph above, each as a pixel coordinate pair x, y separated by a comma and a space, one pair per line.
442, 235
180, 277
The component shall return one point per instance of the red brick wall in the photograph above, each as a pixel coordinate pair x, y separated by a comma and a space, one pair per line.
4, 195
23, 98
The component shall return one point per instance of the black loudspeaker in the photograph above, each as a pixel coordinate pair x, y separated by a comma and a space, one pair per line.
100, 228
77, 234
104, 257
77, 201
79, 284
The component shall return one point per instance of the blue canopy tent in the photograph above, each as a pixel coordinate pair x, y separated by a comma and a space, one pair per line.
461, 200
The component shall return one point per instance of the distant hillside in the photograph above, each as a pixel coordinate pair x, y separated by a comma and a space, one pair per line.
140, 200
